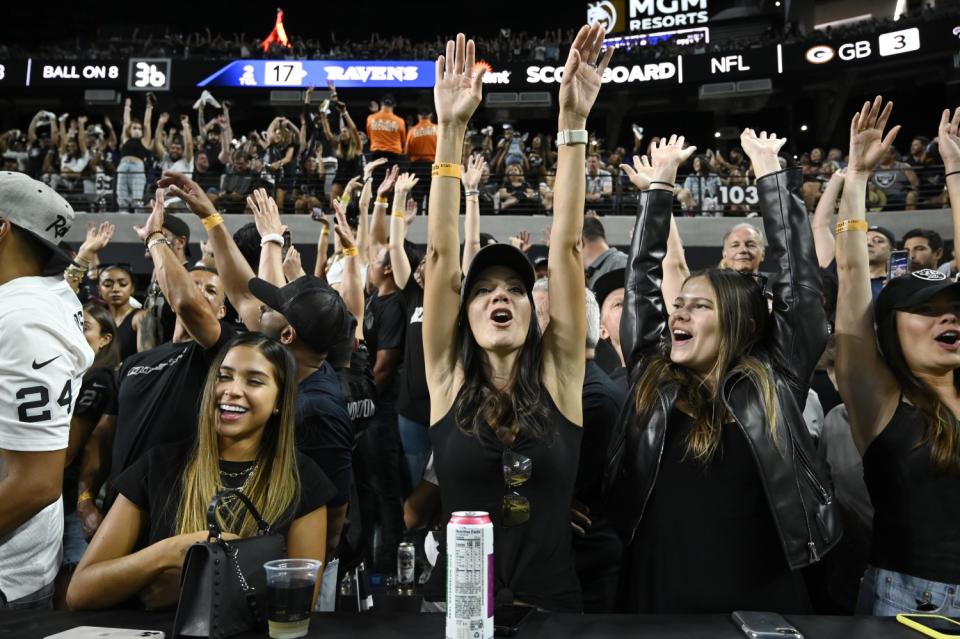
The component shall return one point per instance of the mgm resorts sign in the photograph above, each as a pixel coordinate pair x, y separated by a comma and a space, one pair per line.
641, 16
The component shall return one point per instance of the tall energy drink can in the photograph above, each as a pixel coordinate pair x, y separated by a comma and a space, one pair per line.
406, 565
470, 576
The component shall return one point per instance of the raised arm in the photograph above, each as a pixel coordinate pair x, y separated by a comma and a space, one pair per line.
822, 221
232, 267
399, 262
178, 287
644, 316
799, 324
125, 131
187, 133
267, 218
147, 139
869, 390
471, 222
159, 142
456, 95
82, 134
325, 125
949, 142
62, 130
379, 227
351, 287
564, 344
323, 242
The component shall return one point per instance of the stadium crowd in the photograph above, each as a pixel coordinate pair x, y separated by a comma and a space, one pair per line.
645, 439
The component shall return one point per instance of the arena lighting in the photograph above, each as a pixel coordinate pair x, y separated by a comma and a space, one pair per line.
803, 127
716, 134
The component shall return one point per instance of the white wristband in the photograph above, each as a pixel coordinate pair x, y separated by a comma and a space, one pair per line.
276, 238
572, 136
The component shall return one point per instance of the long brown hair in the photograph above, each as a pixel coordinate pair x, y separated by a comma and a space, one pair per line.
274, 485
941, 428
109, 355
742, 320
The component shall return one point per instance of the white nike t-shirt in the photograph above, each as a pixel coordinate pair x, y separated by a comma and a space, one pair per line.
43, 356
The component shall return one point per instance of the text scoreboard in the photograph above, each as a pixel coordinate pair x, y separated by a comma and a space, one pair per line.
379, 74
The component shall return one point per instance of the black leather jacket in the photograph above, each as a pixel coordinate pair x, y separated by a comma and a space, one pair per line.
795, 477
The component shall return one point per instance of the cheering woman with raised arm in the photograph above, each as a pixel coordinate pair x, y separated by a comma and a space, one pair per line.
903, 399
505, 403
716, 488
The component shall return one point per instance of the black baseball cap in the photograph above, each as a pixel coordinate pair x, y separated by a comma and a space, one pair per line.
910, 290
608, 283
179, 228
538, 253
884, 231
498, 255
316, 311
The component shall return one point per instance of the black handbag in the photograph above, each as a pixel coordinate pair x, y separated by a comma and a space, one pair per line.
223, 586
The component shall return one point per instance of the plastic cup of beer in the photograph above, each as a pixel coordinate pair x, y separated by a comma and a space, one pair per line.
290, 586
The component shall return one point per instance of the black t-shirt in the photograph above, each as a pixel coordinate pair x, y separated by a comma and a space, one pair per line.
215, 167
413, 401
159, 397
358, 390
98, 395
324, 431
602, 401
154, 486
384, 328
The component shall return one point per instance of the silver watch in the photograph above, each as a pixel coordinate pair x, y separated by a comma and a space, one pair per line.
572, 136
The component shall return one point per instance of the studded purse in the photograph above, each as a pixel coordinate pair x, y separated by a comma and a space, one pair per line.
223, 586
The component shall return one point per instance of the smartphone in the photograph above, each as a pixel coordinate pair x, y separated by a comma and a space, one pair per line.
93, 632
508, 619
765, 625
899, 261
936, 626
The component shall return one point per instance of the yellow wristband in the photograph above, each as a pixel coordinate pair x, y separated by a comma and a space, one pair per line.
350, 251
381, 200
212, 220
446, 169
345, 199
85, 496
399, 214
851, 225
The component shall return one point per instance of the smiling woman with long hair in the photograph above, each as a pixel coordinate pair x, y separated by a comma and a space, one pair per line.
245, 441
903, 399
715, 485
505, 403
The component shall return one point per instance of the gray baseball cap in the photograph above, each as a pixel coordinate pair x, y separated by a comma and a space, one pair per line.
36, 208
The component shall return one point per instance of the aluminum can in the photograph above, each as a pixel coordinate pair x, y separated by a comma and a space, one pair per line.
470, 576
405, 564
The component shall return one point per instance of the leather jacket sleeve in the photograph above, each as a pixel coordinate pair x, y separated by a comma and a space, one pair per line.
644, 317
799, 325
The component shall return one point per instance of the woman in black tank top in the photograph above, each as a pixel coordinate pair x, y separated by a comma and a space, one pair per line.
499, 393
116, 289
903, 399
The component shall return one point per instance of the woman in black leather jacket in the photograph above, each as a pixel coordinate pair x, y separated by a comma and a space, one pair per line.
714, 483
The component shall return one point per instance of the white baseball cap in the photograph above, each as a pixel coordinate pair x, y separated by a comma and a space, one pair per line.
35, 207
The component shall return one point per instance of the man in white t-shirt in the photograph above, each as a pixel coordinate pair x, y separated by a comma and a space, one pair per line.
43, 356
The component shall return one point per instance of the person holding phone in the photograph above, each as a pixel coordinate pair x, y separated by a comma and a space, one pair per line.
903, 398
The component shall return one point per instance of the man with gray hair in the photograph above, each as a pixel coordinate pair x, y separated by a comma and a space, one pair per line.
743, 249
596, 545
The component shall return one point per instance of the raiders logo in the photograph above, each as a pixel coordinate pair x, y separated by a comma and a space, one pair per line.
929, 275
884, 178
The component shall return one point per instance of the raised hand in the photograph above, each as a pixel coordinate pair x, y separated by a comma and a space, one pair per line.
266, 215
387, 185
640, 173
292, 268
470, 176
410, 211
405, 183
185, 121
666, 155
581, 77
162, 120
342, 229
868, 145
762, 151
154, 223
457, 91
948, 137
97, 238
372, 166
351, 186
189, 191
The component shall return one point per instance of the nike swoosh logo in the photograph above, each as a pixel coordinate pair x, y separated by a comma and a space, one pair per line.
42, 364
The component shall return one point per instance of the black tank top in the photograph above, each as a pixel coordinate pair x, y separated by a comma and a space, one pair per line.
534, 561
127, 336
916, 521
